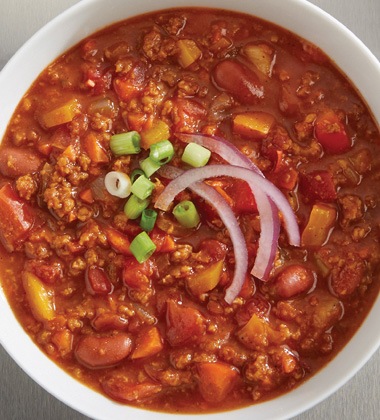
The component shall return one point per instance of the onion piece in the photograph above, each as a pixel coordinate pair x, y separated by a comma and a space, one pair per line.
227, 216
269, 235
118, 184
98, 188
255, 181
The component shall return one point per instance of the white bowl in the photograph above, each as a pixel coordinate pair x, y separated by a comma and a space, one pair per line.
85, 18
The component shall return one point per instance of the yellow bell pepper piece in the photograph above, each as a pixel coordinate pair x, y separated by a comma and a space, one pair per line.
40, 300
61, 115
158, 131
206, 279
188, 52
321, 220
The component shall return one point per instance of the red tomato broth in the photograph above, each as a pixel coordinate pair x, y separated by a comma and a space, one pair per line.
70, 232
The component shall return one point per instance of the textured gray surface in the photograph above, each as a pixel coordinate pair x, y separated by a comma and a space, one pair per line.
20, 397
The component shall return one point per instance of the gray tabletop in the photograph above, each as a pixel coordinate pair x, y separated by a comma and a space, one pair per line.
20, 397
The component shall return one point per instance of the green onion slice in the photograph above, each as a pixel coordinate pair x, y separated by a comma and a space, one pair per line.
135, 174
126, 143
142, 247
134, 207
148, 219
196, 155
161, 152
149, 166
142, 187
186, 214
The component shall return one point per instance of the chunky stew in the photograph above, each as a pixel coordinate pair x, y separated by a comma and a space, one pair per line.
189, 211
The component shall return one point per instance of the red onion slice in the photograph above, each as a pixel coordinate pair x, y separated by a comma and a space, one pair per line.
255, 181
269, 220
227, 216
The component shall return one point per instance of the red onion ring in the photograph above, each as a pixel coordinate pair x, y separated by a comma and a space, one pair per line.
227, 216
255, 181
269, 221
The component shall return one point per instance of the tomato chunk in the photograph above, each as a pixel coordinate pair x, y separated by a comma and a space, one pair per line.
148, 344
119, 242
330, 132
241, 193
186, 114
97, 352
318, 186
239, 80
293, 280
131, 84
16, 218
216, 380
184, 324
49, 273
18, 162
137, 276
118, 388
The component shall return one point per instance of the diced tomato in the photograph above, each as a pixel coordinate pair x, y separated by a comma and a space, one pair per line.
216, 250
109, 321
148, 344
130, 85
187, 114
137, 120
86, 196
318, 186
120, 389
239, 80
97, 281
136, 275
184, 324
256, 305
293, 280
284, 175
248, 288
49, 273
16, 218
243, 198
163, 241
15, 162
98, 352
330, 132
63, 340
119, 242
216, 380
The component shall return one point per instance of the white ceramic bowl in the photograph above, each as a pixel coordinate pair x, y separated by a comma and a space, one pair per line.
85, 18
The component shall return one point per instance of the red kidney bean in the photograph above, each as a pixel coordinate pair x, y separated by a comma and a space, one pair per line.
293, 280
98, 352
97, 281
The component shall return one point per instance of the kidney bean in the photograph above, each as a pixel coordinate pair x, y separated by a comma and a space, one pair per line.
239, 80
97, 281
17, 162
293, 280
98, 352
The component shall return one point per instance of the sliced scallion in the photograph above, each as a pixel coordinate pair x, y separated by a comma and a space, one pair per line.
118, 184
186, 214
134, 207
126, 143
149, 166
142, 247
135, 174
161, 152
196, 155
142, 187
148, 219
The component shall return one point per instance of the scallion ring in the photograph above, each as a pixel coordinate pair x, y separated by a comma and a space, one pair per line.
186, 214
135, 174
148, 219
126, 143
149, 166
161, 152
142, 247
196, 155
142, 187
134, 207
118, 184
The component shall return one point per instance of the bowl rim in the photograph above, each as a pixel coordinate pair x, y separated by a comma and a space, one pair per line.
12, 336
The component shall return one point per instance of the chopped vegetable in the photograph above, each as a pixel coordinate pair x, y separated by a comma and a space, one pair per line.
158, 131
135, 174
61, 115
118, 184
148, 219
126, 143
142, 187
186, 213
161, 152
253, 125
40, 298
148, 344
261, 55
149, 166
321, 220
95, 150
118, 241
196, 155
97, 281
188, 52
142, 247
330, 132
134, 207
206, 279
